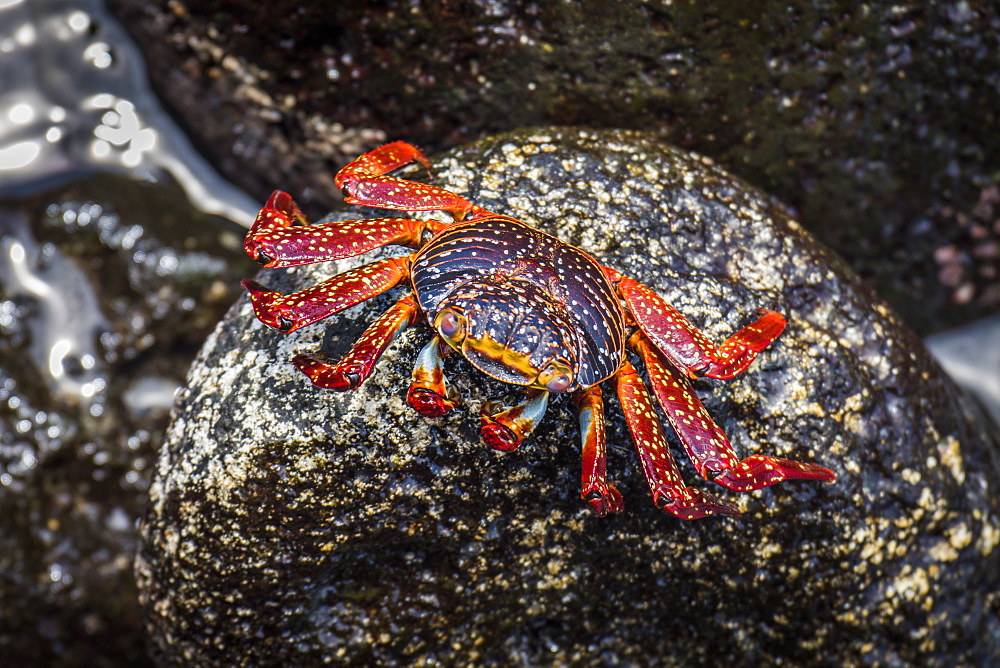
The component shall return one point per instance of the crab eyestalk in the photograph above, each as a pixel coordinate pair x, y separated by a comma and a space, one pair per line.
557, 376
451, 325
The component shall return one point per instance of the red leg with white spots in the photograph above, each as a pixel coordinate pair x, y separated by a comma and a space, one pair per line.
602, 496
280, 236
358, 363
428, 394
506, 430
379, 161
669, 491
298, 309
684, 344
364, 182
705, 442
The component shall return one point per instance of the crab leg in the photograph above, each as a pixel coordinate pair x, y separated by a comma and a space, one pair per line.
358, 363
685, 345
428, 394
364, 182
602, 496
298, 309
705, 442
505, 431
669, 491
275, 240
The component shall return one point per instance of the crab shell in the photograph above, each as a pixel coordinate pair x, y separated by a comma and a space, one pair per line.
521, 305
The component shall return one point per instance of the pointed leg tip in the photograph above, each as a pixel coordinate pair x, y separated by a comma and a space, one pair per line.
604, 502
823, 474
313, 367
281, 201
304, 360
766, 314
253, 287
767, 328
262, 301
759, 471
325, 375
801, 471
307, 362
695, 504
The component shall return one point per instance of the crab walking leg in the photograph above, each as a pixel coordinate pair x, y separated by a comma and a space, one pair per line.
739, 351
274, 241
705, 443
363, 182
298, 309
684, 344
669, 490
428, 394
602, 496
381, 160
505, 431
358, 363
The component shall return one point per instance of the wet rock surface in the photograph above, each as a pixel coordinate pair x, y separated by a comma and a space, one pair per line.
107, 288
877, 123
290, 525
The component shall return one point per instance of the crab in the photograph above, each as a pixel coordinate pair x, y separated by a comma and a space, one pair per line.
527, 309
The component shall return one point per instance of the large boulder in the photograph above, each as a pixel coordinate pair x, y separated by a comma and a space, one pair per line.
294, 526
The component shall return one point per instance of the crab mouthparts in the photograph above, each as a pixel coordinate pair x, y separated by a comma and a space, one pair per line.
499, 361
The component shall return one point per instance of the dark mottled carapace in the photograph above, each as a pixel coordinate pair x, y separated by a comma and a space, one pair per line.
529, 292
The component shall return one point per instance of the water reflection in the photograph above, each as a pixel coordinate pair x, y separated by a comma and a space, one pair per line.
67, 317
73, 98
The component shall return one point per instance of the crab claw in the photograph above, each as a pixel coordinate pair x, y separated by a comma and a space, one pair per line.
262, 301
506, 430
428, 394
497, 436
429, 403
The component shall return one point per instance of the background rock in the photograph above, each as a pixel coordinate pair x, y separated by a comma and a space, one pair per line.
290, 525
877, 123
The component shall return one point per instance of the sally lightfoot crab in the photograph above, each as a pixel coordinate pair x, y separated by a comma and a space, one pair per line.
527, 309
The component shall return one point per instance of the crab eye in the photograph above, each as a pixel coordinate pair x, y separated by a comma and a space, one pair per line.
556, 378
451, 324
558, 383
